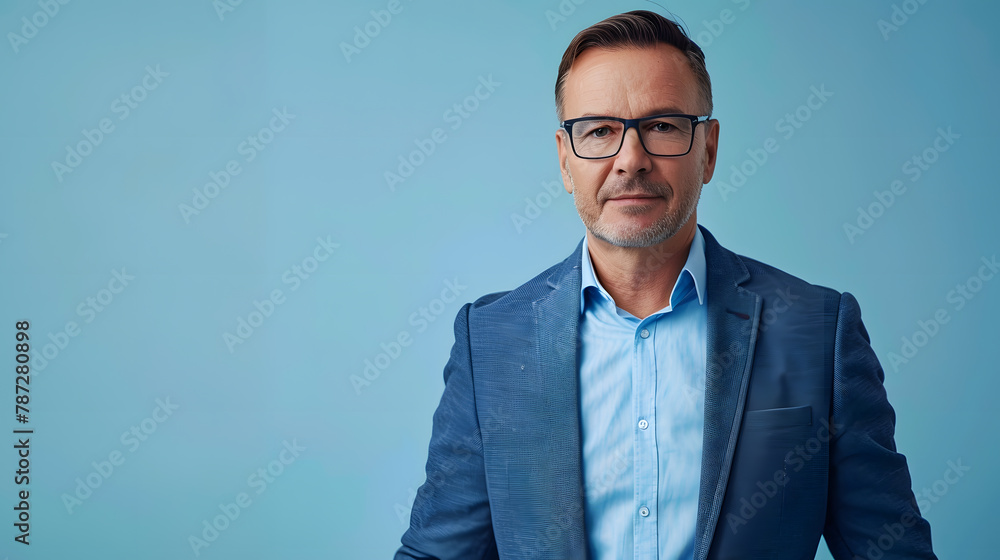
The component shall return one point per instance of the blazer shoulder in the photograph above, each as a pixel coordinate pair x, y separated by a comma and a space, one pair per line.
767, 280
530, 291
754, 276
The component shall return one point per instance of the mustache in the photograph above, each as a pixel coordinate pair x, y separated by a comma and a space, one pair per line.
635, 185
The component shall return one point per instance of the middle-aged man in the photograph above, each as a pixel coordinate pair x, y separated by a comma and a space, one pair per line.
656, 395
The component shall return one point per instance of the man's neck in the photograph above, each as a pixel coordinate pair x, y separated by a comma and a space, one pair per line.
640, 279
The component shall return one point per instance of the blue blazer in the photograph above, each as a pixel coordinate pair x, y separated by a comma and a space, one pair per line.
798, 438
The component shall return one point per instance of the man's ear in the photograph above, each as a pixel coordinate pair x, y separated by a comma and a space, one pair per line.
711, 149
563, 149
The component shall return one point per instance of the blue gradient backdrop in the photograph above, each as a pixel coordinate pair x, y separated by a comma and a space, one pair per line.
200, 77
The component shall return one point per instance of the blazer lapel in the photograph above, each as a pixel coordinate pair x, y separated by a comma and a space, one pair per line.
556, 322
733, 317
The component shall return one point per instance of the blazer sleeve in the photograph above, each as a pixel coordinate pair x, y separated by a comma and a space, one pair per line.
451, 513
871, 510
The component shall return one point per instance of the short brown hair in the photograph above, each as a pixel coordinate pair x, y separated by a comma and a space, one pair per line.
636, 29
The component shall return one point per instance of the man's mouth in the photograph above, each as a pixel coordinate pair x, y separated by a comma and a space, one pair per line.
636, 196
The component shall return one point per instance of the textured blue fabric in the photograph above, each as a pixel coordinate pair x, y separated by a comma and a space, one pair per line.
642, 413
798, 433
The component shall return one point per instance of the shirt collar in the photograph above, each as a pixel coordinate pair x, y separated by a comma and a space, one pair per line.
693, 271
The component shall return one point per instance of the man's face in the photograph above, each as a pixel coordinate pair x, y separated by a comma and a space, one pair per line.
635, 199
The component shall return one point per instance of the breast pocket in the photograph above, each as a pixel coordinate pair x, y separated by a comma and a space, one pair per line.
771, 437
749, 524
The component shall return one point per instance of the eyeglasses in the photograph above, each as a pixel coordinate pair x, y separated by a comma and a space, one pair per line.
669, 135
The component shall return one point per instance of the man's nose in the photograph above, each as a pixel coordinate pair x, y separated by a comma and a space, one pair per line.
632, 158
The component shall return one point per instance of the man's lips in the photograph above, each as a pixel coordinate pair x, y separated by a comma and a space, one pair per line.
634, 196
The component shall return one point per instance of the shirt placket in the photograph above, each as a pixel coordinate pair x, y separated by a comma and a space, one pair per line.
644, 438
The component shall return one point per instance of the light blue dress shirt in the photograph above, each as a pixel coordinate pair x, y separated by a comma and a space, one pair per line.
642, 413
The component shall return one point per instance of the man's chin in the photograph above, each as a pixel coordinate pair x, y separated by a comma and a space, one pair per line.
632, 237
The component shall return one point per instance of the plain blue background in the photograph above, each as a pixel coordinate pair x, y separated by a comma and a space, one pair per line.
347, 495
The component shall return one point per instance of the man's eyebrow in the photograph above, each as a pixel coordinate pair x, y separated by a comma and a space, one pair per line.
667, 111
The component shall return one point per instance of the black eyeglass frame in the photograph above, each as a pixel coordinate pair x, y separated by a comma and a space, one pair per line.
567, 125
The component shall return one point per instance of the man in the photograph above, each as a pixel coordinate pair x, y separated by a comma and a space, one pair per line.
656, 395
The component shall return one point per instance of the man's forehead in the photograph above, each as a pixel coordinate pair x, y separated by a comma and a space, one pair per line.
639, 81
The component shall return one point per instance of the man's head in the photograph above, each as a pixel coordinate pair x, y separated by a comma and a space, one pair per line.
630, 66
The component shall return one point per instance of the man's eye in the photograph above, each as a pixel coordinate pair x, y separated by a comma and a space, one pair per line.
600, 132
664, 127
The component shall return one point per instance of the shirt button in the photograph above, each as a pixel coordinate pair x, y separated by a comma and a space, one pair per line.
644, 333
643, 424
644, 511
